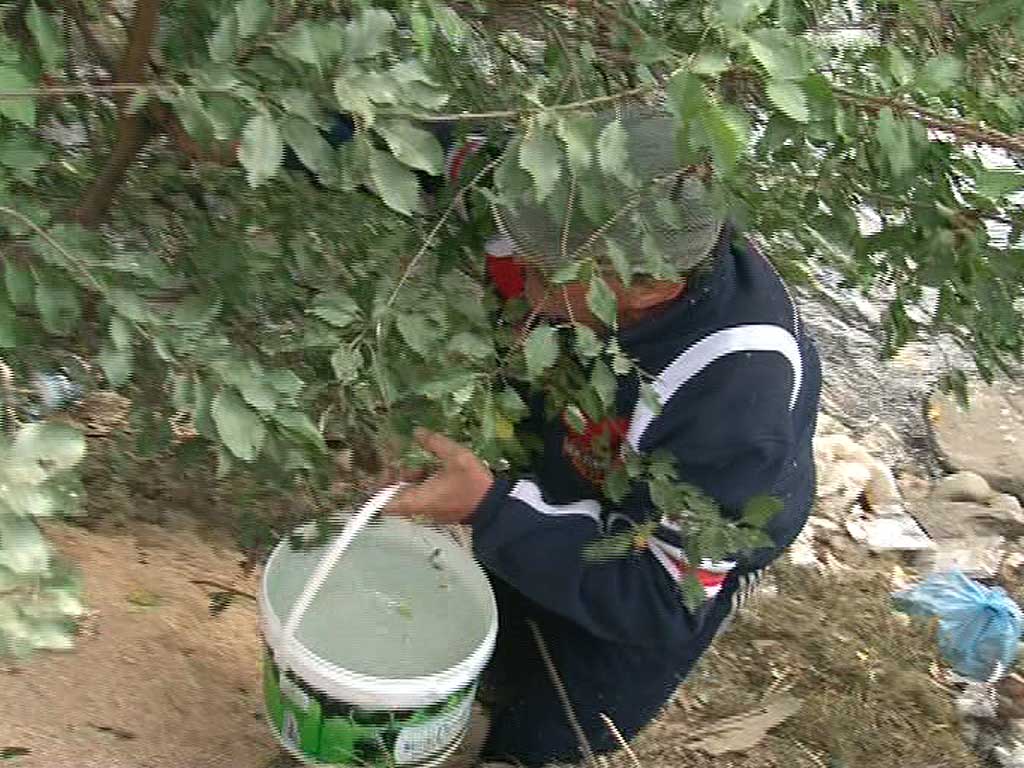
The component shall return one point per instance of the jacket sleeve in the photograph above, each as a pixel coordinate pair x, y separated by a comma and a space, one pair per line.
538, 547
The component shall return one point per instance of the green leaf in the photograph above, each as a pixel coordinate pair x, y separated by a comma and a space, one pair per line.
894, 137
262, 149
790, 99
940, 73
20, 283
240, 427
352, 97
609, 547
47, 36
991, 184
369, 34
727, 138
20, 110
687, 98
254, 387
760, 510
579, 135
710, 62
412, 146
587, 344
900, 66
336, 308
737, 13
613, 153
286, 382
116, 364
451, 24
541, 157
604, 383
299, 43
347, 362
57, 302
602, 302
396, 184
309, 144
692, 591
781, 54
58, 446
252, 16
25, 550
616, 488
301, 425
510, 403
422, 31
541, 350
223, 43
472, 345
619, 261
419, 333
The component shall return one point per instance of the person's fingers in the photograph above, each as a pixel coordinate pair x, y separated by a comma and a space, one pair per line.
416, 500
443, 447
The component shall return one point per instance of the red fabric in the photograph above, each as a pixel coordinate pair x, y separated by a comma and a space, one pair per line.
595, 451
508, 276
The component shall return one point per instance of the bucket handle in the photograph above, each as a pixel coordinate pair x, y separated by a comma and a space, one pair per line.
331, 557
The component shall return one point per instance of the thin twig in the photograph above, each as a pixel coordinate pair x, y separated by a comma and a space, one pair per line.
46, 236
617, 735
223, 588
563, 695
429, 239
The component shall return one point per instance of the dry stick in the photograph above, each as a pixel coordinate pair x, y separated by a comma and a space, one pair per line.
223, 588
556, 681
622, 742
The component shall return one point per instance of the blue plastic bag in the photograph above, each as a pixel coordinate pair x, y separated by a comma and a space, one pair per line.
979, 627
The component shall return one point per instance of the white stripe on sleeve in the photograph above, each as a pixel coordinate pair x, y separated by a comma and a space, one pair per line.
527, 492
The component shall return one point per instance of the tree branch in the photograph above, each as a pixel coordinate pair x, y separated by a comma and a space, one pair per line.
133, 130
960, 128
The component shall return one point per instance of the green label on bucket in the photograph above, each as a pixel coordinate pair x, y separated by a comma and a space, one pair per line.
418, 742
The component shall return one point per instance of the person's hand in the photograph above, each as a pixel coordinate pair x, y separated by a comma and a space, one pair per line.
453, 492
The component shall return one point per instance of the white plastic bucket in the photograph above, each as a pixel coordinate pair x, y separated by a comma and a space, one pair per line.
335, 701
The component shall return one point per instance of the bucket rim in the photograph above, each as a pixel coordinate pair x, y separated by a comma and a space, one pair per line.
369, 691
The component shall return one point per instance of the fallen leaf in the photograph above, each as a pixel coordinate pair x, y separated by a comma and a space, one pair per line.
745, 730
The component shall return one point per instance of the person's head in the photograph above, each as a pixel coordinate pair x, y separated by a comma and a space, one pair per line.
645, 227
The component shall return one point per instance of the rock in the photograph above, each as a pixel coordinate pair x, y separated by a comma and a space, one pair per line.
1008, 505
961, 519
847, 471
987, 438
963, 486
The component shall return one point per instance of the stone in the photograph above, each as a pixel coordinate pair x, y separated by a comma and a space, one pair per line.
987, 438
963, 486
962, 519
1007, 504
847, 471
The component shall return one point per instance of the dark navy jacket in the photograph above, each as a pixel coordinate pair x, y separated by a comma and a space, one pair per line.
738, 380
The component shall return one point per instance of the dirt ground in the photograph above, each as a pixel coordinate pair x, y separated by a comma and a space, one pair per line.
157, 681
